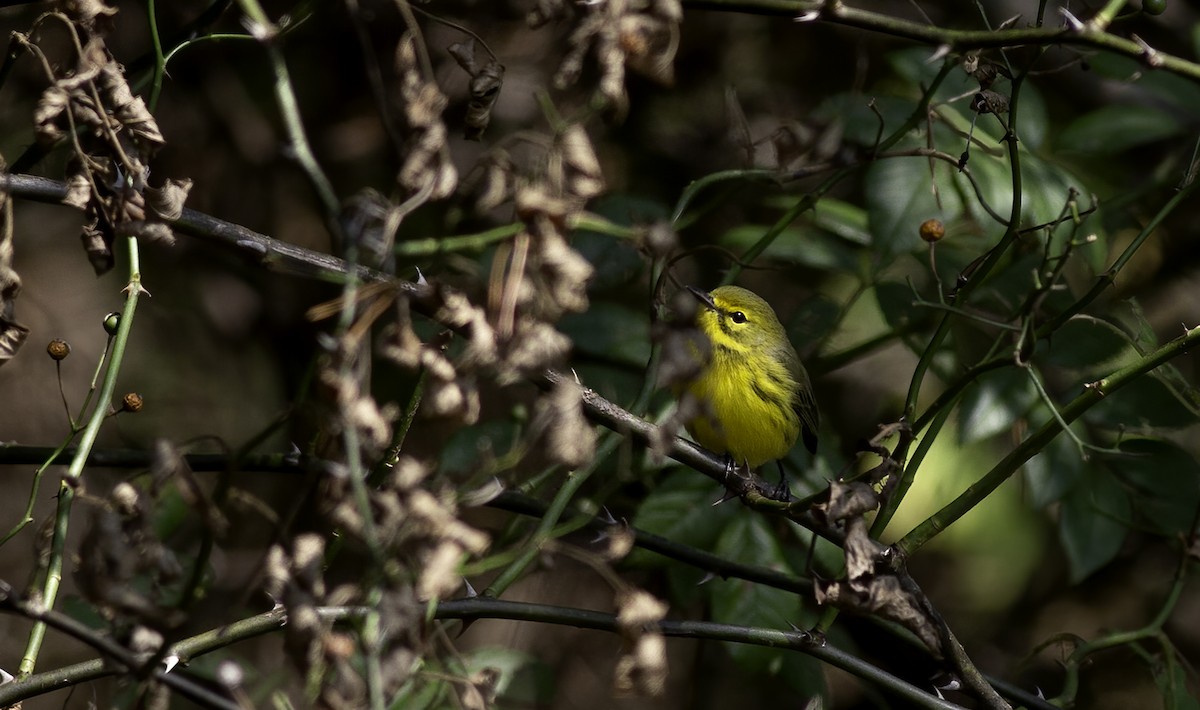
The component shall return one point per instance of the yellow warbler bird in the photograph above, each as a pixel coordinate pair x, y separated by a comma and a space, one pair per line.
756, 395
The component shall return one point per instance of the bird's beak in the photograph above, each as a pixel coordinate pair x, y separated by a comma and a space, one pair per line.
703, 297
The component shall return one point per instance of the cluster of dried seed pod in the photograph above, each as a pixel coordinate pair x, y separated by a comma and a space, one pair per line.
89, 103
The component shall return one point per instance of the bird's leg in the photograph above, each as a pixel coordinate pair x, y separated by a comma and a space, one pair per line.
782, 491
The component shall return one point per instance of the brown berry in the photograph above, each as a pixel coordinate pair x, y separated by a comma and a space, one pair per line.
932, 230
58, 349
132, 403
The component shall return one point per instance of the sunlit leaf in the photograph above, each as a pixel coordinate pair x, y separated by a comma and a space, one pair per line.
12, 337
994, 402
847, 221
1053, 472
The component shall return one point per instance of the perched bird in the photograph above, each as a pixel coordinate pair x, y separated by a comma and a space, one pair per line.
756, 397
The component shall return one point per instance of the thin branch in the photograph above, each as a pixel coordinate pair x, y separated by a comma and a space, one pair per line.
956, 40
804, 642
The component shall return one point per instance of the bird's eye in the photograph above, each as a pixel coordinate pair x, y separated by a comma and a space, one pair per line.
738, 317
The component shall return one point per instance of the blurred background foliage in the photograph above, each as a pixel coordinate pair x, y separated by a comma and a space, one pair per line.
1086, 539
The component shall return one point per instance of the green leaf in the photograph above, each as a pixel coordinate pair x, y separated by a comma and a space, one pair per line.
421, 693
805, 675
616, 261
1053, 472
994, 403
1148, 401
912, 64
1169, 89
811, 322
1184, 391
1046, 188
1086, 343
1115, 128
900, 197
1035, 123
850, 222
523, 680
861, 123
488, 439
798, 244
1092, 523
681, 509
896, 303
736, 601
1130, 315
610, 331
1164, 481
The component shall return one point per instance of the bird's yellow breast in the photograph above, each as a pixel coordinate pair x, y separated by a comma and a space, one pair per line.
748, 413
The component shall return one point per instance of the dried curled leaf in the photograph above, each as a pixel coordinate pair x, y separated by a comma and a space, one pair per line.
366, 222
427, 169
569, 438
96, 244
872, 587
557, 274
121, 547
487, 78
642, 667
86, 12
535, 346
12, 334
581, 178
353, 408
295, 580
47, 114
642, 35
115, 136
166, 202
497, 181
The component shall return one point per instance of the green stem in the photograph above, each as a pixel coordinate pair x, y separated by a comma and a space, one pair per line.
1106, 279
999, 473
289, 108
460, 243
542, 533
74, 474
160, 63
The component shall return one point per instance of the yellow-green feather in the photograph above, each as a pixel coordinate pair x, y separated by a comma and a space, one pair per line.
756, 395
